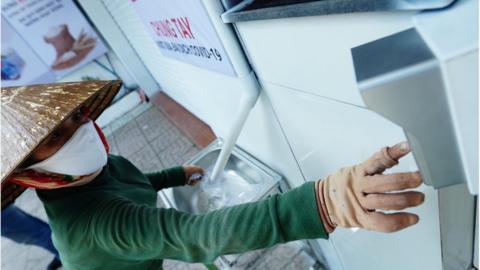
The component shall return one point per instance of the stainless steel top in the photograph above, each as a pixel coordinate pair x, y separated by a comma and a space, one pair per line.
249, 10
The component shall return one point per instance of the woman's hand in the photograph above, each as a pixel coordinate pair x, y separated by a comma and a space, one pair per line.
193, 174
357, 196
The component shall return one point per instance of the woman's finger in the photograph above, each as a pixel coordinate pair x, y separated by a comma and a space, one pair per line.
392, 201
381, 222
380, 183
386, 158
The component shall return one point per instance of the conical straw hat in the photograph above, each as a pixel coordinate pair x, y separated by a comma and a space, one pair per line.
30, 113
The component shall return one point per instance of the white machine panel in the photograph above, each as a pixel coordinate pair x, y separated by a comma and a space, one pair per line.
326, 136
312, 54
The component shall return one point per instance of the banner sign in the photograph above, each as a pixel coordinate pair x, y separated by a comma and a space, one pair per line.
56, 31
183, 31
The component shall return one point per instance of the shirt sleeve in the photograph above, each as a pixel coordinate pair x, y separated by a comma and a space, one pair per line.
167, 178
140, 232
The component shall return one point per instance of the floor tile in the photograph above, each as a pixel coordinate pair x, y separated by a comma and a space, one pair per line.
146, 160
129, 139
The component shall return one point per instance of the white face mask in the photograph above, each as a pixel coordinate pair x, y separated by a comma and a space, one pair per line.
83, 154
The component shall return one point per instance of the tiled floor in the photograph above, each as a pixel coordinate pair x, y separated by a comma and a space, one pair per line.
149, 140
199, 132
146, 137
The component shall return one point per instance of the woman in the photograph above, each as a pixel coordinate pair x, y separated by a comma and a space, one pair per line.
102, 208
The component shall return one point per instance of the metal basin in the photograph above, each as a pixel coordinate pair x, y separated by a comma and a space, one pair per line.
244, 179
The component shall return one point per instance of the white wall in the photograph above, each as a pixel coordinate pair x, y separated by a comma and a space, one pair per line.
120, 45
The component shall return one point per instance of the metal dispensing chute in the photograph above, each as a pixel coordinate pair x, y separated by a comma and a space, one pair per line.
425, 79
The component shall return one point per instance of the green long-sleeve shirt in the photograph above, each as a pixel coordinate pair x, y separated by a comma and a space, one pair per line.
112, 222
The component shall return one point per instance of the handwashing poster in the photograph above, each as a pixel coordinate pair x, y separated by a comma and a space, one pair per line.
56, 31
20, 64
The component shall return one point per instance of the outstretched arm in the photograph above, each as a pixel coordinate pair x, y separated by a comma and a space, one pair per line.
141, 232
